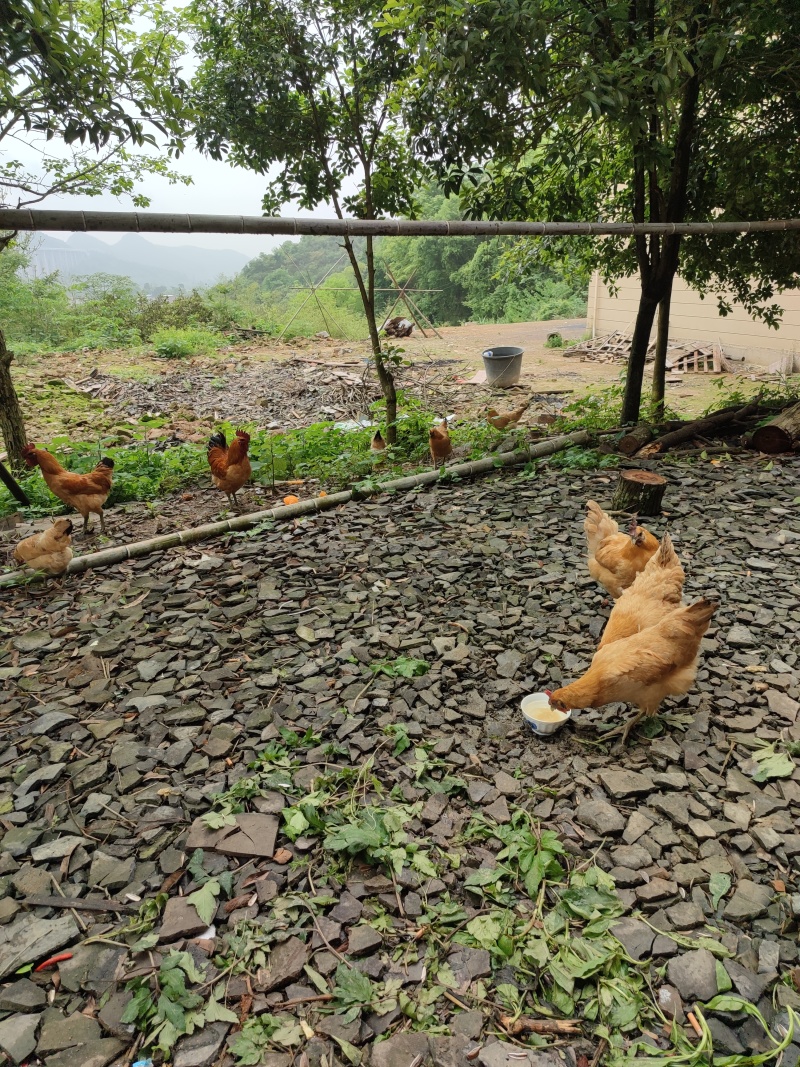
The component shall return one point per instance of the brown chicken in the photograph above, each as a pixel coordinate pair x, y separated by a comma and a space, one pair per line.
377, 444
655, 593
615, 558
440, 445
48, 551
230, 465
511, 418
642, 669
85, 492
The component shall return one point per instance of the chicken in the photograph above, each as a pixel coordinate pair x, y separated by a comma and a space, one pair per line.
644, 668
615, 558
440, 444
377, 444
510, 418
48, 551
230, 466
85, 492
655, 593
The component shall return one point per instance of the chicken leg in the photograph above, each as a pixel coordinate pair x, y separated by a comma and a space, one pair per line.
626, 727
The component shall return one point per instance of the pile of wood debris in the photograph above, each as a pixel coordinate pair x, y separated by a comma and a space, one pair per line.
693, 357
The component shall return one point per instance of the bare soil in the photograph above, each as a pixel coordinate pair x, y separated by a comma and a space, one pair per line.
192, 394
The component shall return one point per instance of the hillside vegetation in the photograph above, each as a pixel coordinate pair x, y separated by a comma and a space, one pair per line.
468, 279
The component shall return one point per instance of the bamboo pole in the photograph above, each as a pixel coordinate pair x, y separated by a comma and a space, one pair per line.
107, 557
162, 222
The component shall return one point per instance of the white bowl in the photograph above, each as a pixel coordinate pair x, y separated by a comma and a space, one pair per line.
540, 702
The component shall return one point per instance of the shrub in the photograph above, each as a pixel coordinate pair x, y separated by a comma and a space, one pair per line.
184, 311
175, 344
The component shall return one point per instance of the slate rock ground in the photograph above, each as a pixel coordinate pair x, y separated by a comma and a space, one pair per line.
161, 680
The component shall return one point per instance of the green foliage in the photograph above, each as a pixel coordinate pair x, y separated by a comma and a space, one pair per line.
477, 279
261, 1033
771, 764
582, 459
104, 311
107, 307
529, 856
739, 390
175, 343
140, 473
66, 75
204, 900
185, 310
175, 1010
402, 667
718, 885
355, 992
583, 110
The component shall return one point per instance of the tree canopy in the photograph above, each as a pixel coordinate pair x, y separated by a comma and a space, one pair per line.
305, 86
646, 110
82, 82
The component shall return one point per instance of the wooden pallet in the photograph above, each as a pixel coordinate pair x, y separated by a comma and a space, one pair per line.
683, 357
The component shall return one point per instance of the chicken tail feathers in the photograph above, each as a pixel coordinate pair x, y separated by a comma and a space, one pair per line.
217, 440
597, 525
701, 611
666, 557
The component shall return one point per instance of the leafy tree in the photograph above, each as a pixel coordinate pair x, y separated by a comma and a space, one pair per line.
97, 77
649, 110
305, 85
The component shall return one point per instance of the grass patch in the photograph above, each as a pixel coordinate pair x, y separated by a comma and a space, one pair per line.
323, 453
175, 343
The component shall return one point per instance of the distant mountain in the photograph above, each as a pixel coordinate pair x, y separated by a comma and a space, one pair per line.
134, 257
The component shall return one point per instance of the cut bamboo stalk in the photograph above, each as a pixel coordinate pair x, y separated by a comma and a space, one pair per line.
121, 553
161, 222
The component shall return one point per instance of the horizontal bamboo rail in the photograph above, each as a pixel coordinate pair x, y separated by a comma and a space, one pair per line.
161, 222
120, 553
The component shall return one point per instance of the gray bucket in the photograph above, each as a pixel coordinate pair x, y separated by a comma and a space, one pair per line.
503, 366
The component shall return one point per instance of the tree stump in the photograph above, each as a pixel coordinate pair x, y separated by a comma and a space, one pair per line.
780, 434
639, 492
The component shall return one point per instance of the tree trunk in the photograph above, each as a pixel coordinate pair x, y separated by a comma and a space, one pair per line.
367, 293
641, 339
660, 365
780, 434
11, 422
385, 376
639, 492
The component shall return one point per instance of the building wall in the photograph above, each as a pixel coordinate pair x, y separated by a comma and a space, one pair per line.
693, 319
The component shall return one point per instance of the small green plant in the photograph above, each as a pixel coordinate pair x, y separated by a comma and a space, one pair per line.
598, 410
176, 343
554, 340
263, 1033
402, 667
172, 1009
582, 459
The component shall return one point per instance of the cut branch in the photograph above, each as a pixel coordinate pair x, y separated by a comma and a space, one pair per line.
704, 427
524, 1025
781, 434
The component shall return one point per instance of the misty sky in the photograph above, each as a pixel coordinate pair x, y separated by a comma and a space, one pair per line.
218, 189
